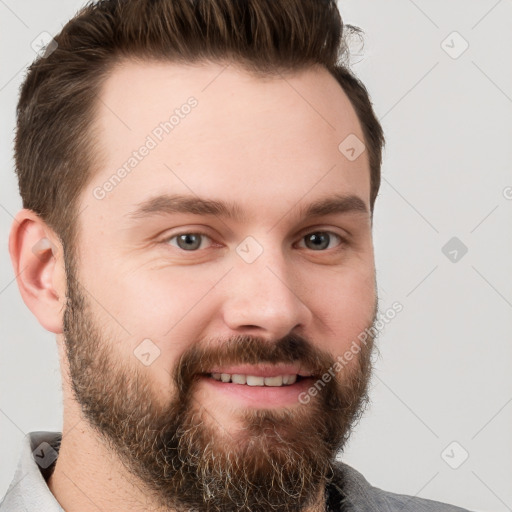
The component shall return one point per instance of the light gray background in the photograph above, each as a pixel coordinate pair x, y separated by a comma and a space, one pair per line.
444, 371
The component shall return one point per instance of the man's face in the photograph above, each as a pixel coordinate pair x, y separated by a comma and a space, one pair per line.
162, 302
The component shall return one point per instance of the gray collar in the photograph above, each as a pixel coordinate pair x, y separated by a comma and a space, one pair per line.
347, 491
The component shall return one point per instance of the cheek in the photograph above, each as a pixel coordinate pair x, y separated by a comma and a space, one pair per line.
344, 305
149, 316
150, 301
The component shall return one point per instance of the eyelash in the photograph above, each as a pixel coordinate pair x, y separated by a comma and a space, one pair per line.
341, 244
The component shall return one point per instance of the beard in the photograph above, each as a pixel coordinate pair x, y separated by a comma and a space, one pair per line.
279, 460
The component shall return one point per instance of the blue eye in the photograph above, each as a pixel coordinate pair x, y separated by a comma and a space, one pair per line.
320, 240
315, 241
187, 241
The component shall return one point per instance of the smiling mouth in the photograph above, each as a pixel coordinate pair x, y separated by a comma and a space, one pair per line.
257, 381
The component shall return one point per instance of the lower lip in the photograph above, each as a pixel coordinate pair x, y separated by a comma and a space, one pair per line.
260, 396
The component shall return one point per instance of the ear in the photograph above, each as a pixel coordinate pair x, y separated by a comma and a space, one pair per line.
37, 258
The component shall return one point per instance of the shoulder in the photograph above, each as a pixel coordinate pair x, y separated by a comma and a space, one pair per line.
359, 495
412, 503
29, 490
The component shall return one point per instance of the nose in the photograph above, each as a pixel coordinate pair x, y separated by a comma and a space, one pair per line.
263, 297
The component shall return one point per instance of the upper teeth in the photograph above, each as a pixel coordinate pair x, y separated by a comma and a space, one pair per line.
252, 380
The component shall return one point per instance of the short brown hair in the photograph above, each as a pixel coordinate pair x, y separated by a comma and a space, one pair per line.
54, 145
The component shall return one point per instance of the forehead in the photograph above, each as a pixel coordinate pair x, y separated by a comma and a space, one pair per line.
214, 130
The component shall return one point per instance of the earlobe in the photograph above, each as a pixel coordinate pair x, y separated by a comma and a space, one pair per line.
37, 259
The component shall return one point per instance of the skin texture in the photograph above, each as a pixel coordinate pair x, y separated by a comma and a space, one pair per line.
270, 146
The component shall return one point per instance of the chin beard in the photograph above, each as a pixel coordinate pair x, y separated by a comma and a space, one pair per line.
278, 460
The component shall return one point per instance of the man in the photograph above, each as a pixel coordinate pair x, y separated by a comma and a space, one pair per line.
198, 181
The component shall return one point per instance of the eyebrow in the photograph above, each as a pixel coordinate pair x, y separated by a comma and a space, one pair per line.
166, 204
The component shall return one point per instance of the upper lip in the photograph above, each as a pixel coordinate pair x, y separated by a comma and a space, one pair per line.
263, 370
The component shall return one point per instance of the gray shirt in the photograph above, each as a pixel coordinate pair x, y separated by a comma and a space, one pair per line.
348, 491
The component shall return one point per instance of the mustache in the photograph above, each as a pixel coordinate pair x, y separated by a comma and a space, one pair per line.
200, 358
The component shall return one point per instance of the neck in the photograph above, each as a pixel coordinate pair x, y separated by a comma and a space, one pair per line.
88, 477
